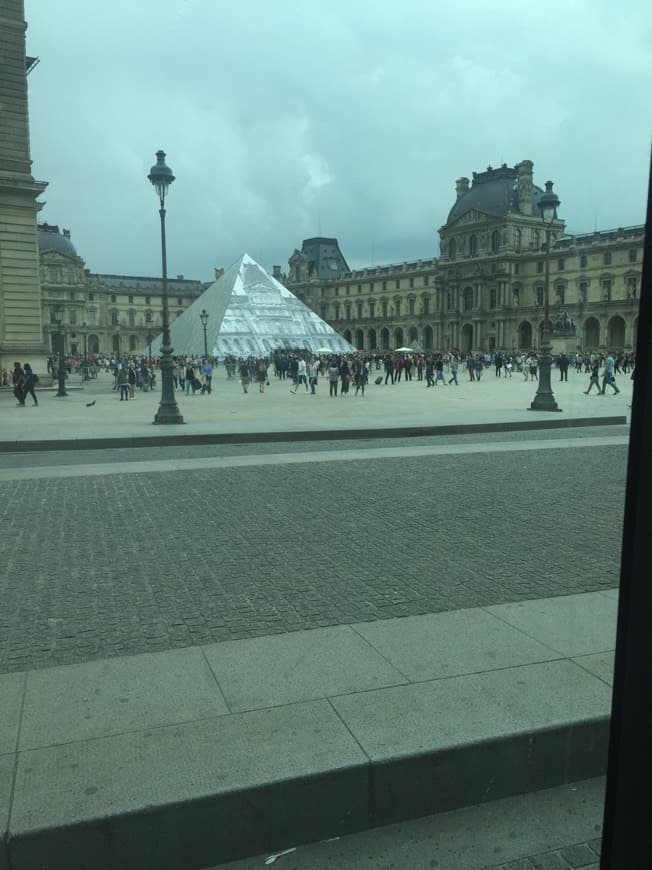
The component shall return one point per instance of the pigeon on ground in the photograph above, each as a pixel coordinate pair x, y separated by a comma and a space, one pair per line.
90, 404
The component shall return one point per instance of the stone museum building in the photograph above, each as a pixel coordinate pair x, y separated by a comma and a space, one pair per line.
109, 314
485, 291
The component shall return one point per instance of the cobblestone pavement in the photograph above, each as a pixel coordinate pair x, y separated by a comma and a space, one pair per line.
122, 564
581, 855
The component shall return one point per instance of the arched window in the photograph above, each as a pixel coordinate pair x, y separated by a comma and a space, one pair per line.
473, 245
452, 249
495, 241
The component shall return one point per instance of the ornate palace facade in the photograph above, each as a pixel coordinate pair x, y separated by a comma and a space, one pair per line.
106, 314
486, 289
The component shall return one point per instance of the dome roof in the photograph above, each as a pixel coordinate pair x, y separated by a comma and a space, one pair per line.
49, 239
494, 192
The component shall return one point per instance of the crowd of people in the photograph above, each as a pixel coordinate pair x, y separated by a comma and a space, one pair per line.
303, 369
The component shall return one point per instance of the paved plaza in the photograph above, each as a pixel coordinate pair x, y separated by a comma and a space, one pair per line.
204, 599
229, 411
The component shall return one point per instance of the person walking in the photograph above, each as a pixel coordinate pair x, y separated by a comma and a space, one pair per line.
131, 377
361, 375
244, 374
301, 375
453, 370
594, 378
207, 371
123, 383
608, 378
564, 363
345, 374
430, 372
29, 382
439, 370
313, 373
18, 380
261, 374
470, 366
190, 379
333, 378
389, 368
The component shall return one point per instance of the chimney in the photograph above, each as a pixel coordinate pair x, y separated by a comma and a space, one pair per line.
461, 186
276, 272
524, 170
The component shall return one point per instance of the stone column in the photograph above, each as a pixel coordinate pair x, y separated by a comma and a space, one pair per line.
21, 327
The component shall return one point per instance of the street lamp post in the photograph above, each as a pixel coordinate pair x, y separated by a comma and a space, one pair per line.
168, 411
117, 343
544, 399
58, 316
85, 363
150, 338
204, 321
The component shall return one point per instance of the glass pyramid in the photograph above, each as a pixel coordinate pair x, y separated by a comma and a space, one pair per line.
250, 314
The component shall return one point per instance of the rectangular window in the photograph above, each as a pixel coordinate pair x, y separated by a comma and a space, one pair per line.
411, 282
114, 318
492, 297
606, 290
517, 268
426, 280
337, 291
632, 255
397, 284
148, 300
561, 295
359, 305
426, 305
72, 317
371, 287
607, 259
397, 307
449, 301
583, 291
179, 301
131, 300
148, 317
384, 308
91, 297
113, 299
372, 309
324, 310
411, 305
560, 264
359, 288
384, 285
539, 265
583, 261
539, 296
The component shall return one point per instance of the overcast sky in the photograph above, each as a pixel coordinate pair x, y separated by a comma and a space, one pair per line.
349, 118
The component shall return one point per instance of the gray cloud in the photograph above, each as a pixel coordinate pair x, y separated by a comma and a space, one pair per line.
284, 120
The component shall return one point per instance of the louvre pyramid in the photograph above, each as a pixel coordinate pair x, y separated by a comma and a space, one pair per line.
250, 313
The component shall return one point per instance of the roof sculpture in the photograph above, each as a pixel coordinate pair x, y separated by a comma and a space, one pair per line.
250, 313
